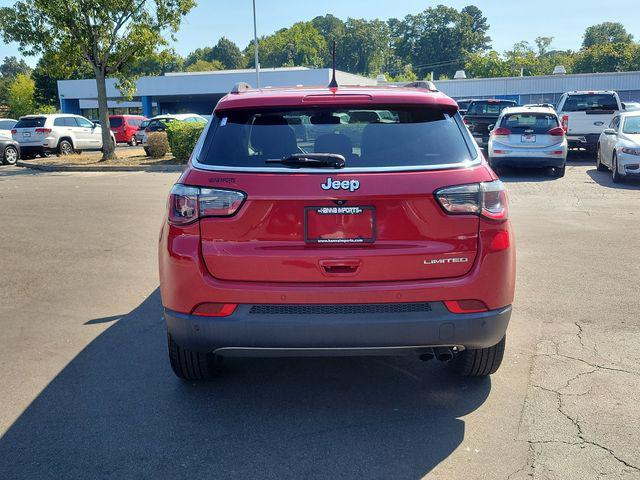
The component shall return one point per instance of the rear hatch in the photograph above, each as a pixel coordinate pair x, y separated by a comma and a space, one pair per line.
31, 131
588, 113
355, 224
529, 131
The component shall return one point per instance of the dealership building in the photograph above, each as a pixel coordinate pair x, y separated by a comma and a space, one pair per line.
198, 92
189, 92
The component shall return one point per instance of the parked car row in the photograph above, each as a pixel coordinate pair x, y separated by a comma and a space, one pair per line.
539, 135
64, 134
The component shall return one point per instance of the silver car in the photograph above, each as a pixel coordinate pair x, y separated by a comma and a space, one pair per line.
529, 136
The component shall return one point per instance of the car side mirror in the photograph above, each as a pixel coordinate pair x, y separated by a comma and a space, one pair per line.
610, 131
95, 124
624, 106
490, 127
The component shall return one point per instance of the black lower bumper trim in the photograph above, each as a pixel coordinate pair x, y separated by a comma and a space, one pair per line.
340, 333
527, 162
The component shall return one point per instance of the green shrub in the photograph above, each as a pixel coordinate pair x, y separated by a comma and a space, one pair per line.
183, 137
157, 145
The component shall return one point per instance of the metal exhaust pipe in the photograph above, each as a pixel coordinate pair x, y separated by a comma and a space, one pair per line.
444, 354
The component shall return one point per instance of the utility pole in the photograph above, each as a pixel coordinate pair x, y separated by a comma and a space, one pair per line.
255, 42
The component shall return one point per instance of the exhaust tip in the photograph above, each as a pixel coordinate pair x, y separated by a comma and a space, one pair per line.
443, 354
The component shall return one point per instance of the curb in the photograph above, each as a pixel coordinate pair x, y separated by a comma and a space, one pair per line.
106, 168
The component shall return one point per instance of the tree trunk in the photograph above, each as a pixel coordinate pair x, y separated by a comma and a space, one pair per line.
108, 148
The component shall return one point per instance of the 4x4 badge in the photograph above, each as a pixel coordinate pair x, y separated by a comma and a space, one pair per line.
351, 185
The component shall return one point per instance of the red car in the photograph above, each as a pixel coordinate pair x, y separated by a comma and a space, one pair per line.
124, 127
366, 238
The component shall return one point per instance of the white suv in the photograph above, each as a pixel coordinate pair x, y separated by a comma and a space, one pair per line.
58, 133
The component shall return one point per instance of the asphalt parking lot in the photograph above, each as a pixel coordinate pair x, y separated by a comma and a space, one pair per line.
87, 391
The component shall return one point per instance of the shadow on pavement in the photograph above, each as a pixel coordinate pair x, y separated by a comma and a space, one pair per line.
117, 411
604, 179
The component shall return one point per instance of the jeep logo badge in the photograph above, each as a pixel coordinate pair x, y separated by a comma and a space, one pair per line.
351, 185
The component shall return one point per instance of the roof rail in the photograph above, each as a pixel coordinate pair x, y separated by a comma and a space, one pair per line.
426, 84
240, 87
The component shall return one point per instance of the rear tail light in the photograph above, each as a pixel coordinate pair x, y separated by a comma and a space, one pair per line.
465, 121
501, 132
465, 306
188, 204
564, 123
557, 132
486, 199
14, 131
215, 309
43, 130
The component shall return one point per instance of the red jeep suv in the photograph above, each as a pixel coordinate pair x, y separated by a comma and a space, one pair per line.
386, 236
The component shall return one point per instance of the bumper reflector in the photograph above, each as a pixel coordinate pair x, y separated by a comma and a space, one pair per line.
214, 309
465, 306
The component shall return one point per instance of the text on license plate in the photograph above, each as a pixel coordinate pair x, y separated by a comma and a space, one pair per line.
340, 224
528, 138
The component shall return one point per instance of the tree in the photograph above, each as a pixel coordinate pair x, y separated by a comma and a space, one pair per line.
227, 53
198, 54
439, 38
204, 66
299, 45
365, 46
11, 67
158, 63
21, 99
110, 35
54, 66
332, 30
606, 32
611, 57
486, 65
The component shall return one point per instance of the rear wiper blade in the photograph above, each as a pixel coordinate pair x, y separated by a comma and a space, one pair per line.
313, 160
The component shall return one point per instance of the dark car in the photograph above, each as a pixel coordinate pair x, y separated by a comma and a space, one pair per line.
9, 151
482, 115
463, 105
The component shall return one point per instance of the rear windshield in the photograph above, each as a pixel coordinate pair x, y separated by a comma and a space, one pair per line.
32, 122
395, 137
590, 102
631, 126
488, 107
160, 121
530, 122
115, 122
7, 124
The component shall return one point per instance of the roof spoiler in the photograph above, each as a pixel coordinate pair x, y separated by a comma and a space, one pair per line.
240, 87
426, 84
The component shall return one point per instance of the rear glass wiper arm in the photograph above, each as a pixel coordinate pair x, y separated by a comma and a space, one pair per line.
317, 160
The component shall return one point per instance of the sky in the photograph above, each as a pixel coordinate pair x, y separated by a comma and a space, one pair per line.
510, 20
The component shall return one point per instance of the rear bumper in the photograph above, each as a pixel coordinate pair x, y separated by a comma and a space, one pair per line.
585, 140
528, 162
264, 330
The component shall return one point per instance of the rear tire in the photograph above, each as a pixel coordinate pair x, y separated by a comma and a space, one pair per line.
65, 148
134, 141
11, 155
559, 171
191, 365
480, 362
